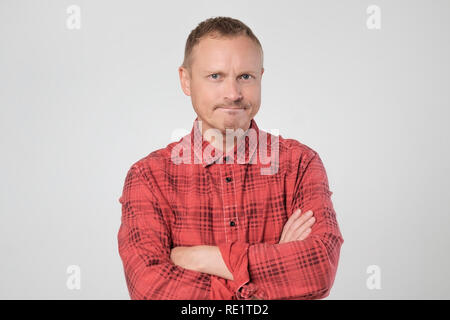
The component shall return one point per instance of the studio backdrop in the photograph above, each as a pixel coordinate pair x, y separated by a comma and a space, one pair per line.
87, 88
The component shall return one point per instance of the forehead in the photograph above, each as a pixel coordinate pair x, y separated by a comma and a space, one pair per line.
220, 52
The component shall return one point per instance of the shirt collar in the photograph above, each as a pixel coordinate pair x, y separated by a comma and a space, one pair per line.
200, 146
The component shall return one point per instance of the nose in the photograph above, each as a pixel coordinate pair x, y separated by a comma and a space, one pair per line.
233, 90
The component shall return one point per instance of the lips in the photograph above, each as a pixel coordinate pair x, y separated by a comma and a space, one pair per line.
232, 108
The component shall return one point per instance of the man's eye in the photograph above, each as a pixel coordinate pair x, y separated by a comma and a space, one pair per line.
244, 76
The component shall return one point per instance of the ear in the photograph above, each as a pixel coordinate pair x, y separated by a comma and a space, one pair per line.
262, 71
185, 80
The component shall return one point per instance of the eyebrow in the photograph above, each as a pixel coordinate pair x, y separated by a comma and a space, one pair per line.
221, 72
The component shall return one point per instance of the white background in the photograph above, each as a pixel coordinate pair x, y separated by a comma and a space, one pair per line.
78, 107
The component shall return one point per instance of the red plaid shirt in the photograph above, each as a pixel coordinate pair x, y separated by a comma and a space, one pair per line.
238, 207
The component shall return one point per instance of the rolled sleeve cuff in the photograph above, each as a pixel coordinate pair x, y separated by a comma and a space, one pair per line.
235, 256
220, 289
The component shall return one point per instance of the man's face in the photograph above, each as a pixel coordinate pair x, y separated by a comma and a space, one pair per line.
225, 82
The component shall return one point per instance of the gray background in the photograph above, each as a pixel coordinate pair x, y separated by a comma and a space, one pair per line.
78, 107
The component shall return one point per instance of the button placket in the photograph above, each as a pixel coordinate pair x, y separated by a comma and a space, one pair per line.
229, 204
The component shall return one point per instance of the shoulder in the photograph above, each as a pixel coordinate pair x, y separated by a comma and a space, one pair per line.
154, 163
304, 160
295, 151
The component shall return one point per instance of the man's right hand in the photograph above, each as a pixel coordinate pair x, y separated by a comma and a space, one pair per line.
298, 227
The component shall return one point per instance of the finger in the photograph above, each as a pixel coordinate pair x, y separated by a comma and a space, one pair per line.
302, 220
290, 221
304, 227
297, 223
292, 218
305, 234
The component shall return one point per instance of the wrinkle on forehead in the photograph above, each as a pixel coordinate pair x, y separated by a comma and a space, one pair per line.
220, 56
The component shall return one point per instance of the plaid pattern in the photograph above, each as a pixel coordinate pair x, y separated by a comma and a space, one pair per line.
235, 207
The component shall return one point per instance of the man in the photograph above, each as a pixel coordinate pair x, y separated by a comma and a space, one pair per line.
220, 221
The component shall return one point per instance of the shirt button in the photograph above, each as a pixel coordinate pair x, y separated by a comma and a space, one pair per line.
232, 223
228, 179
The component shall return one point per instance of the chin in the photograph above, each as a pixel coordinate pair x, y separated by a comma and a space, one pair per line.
234, 124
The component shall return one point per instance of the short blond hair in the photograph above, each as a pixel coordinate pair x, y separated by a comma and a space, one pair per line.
216, 27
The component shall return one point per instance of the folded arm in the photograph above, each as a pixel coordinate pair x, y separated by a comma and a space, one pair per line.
144, 247
303, 269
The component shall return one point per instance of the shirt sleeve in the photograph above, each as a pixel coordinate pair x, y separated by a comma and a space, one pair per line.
144, 243
302, 269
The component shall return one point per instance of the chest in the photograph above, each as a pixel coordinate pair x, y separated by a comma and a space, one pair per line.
225, 203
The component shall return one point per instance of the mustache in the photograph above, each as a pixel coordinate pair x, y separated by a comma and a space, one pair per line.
234, 105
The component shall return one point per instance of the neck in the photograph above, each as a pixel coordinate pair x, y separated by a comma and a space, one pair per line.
223, 145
